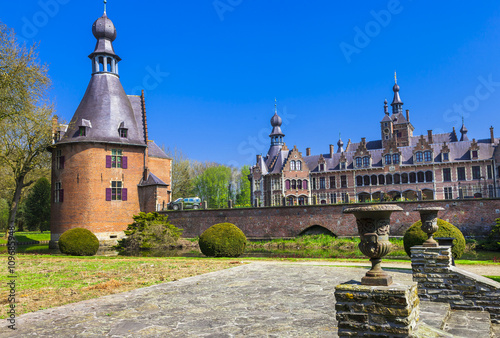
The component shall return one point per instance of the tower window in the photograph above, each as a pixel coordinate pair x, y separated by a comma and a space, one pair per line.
59, 159
418, 156
58, 193
82, 131
388, 159
116, 159
117, 192
123, 132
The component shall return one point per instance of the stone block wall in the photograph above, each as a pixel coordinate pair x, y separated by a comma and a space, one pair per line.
439, 281
376, 311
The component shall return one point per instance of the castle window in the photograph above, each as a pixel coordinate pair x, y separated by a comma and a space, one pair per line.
448, 193
342, 165
476, 172
58, 193
304, 184
314, 187
489, 172
299, 184
82, 131
343, 181
59, 159
387, 159
474, 154
333, 198
299, 165
302, 200
395, 158
428, 176
359, 162
345, 197
447, 175
366, 161
123, 132
322, 183
332, 182
446, 156
116, 160
294, 184
461, 173
287, 184
292, 165
418, 156
117, 192
428, 156
359, 181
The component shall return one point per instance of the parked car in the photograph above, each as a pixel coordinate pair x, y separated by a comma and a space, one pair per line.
189, 203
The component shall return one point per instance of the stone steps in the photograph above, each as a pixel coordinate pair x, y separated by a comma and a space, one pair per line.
438, 320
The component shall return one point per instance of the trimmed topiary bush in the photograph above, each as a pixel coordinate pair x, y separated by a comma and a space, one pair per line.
78, 242
415, 236
222, 240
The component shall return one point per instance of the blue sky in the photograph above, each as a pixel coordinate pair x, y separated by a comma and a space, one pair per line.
212, 69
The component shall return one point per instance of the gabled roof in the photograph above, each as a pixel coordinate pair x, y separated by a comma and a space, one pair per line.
152, 180
155, 151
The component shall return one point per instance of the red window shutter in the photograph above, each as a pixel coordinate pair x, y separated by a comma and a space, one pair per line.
108, 194
61, 195
124, 194
61, 164
108, 163
124, 162
287, 184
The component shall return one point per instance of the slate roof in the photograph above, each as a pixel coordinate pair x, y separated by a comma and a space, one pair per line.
155, 151
152, 180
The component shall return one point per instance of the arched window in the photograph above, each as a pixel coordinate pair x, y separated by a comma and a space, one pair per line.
413, 178
304, 184
302, 200
294, 184
428, 176
374, 179
404, 178
366, 161
292, 165
366, 180
420, 177
419, 156
395, 158
359, 181
397, 179
299, 184
381, 179
359, 162
290, 200
388, 179
287, 184
427, 156
299, 165
387, 159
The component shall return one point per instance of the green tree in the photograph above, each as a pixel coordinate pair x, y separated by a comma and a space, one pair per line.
25, 115
4, 214
182, 174
212, 186
243, 195
23, 79
37, 206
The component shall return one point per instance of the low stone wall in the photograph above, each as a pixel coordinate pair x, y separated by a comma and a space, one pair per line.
474, 217
439, 281
385, 311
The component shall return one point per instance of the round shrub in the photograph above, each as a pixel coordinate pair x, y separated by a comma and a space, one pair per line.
78, 242
415, 236
222, 240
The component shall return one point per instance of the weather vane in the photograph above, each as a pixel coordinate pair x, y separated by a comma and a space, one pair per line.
105, 1
395, 78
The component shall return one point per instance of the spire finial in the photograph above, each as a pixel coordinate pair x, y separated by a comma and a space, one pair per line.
105, 1
275, 107
395, 78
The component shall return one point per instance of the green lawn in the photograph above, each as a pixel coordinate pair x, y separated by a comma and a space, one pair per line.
28, 236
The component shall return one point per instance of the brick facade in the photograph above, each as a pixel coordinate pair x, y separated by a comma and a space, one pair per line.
473, 217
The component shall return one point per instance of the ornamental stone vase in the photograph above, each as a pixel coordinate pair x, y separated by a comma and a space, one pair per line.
429, 216
373, 227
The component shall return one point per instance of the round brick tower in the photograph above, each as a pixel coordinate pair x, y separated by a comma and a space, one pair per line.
99, 161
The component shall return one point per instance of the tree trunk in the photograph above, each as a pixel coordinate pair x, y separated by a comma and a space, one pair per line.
15, 201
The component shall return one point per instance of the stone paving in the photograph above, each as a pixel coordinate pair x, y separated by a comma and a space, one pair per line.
257, 299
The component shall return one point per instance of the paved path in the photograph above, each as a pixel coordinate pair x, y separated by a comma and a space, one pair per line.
258, 299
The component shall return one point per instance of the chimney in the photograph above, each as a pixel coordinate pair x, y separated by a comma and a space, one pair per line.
492, 135
258, 158
363, 140
308, 151
408, 115
54, 129
429, 136
145, 174
331, 150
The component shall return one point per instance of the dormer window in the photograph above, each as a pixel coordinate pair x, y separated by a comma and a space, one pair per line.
82, 131
395, 158
446, 156
321, 167
387, 159
366, 161
428, 156
342, 165
123, 132
359, 162
419, 156
474, 154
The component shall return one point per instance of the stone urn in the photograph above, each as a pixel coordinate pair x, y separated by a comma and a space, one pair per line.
373, 227
429, 216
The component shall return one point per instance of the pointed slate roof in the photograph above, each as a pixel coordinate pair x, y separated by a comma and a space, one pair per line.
152, 180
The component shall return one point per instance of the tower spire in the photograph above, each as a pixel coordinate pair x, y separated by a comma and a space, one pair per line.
397, 104
276, 134
105, 1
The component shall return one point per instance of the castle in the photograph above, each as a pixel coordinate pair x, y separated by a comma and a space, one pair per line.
398, 166
104, 167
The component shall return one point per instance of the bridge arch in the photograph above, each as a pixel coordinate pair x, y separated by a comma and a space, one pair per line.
316, 230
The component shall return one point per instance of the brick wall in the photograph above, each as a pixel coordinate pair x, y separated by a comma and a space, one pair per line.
473, 216
161, 168
84, 180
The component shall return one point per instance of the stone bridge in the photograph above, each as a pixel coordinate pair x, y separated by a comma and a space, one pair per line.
473, 216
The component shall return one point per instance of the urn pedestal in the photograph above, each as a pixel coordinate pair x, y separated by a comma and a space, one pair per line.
373, 227
429, 216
